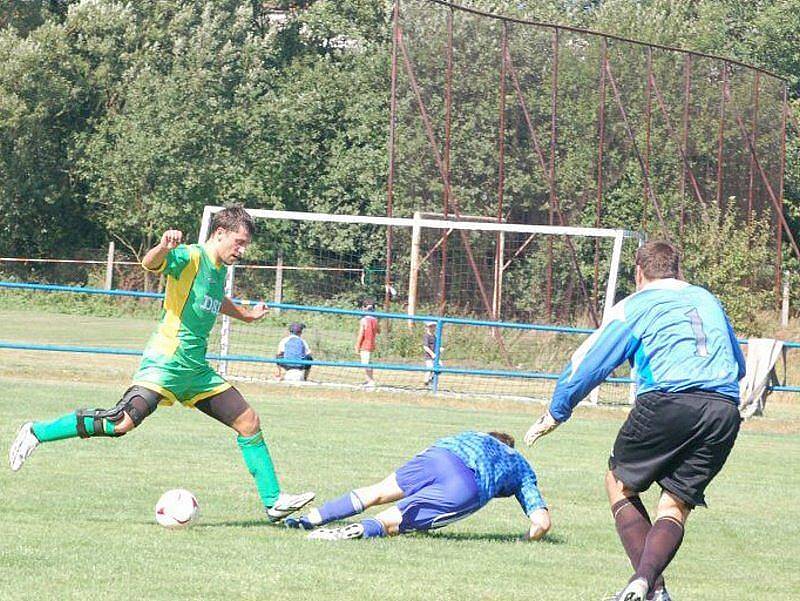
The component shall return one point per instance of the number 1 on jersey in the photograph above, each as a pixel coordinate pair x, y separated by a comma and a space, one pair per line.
699, 334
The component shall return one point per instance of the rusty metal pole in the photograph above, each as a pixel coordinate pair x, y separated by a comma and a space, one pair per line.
721, 137
671, 131
601, 135
553, 140
776, 203
440, 166
543, 165
639, 158
448, 103
687, 90
779, 242
501, 174
390, 183
754, 134
648, 110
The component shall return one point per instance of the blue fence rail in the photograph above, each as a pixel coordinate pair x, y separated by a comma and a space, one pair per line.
437, 369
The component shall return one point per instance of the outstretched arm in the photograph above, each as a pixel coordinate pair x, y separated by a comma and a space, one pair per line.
595, 359
241, 312
530, 499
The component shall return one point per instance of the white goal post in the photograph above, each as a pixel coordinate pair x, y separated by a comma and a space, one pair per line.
418, 223
422, 222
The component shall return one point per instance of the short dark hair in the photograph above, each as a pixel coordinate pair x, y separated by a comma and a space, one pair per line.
231, 219
506, 439
658, 259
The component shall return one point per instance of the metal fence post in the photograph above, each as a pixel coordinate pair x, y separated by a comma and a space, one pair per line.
391, 150
785, 302
110, 266
437, 354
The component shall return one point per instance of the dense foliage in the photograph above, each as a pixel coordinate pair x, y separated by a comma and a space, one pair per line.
117, 118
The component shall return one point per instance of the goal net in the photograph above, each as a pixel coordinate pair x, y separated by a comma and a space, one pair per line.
426, 265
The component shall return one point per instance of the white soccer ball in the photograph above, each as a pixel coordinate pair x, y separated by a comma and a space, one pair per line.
176, 508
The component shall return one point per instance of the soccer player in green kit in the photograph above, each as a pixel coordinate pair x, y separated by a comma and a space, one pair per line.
174, 367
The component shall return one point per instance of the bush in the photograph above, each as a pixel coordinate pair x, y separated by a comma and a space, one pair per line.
734, 260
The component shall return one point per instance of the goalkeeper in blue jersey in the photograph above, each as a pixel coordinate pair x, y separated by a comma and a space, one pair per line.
687, 365
446, 482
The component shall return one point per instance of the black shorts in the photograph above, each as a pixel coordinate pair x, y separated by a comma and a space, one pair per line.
679, 439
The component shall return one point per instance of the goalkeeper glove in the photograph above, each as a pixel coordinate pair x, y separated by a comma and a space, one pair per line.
544, 425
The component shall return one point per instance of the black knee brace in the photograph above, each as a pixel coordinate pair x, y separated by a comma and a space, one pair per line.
138, 402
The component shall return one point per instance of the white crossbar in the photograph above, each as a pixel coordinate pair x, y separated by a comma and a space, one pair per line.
442, 224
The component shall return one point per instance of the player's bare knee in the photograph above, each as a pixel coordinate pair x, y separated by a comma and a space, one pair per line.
248, 423
391, 519
616, 489
126, 425
387, 490
672, 507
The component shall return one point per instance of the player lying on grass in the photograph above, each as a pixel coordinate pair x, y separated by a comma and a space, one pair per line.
684, 424
446, 482
174, 367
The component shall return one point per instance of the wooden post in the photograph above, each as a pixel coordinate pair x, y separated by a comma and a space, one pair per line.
413, 272
110, 266
785, 303
497, 297
279, 282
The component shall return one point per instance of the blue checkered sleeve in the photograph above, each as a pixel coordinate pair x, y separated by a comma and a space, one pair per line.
528, 495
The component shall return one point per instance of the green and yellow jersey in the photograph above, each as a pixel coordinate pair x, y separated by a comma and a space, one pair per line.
174, 361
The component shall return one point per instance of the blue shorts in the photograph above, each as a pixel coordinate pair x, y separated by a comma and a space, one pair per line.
439, 490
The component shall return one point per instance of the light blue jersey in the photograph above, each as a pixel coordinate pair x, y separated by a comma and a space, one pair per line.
676, 336
500, 471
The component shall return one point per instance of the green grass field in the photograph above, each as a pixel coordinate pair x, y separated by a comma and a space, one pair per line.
77, 521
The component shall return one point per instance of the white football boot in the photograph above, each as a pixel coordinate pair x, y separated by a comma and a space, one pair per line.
343, 533
661, 594
636, 590
23, 446
287, 504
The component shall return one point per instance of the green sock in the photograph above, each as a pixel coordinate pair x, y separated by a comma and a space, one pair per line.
257, 459
66, 426
63, 427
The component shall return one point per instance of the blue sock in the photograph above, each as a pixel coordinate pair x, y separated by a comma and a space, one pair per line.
373, 528
343, 507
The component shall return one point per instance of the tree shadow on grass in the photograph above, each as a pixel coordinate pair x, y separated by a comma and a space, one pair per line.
552, 539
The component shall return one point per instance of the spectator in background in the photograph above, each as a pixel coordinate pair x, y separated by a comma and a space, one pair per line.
368, 330
293, 348
429, 349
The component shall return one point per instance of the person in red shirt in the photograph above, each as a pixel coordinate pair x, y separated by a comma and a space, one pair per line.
368, 330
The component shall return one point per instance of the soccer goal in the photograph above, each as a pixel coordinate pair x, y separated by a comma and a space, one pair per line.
424, 265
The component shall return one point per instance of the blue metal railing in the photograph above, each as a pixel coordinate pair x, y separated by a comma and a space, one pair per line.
437, 368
